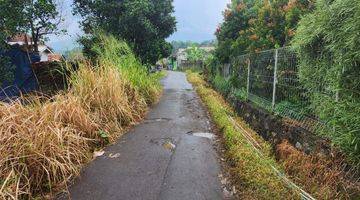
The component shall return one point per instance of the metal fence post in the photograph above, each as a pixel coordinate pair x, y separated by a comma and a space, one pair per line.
248, 79
275, 78
223, 70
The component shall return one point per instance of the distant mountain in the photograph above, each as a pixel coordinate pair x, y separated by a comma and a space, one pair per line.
185, 44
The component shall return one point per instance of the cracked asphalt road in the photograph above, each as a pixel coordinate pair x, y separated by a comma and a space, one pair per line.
158, 159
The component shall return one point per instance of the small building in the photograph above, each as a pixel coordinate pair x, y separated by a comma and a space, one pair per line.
46, 53
181, 56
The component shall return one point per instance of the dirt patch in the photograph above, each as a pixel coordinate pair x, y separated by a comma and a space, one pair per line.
325, 177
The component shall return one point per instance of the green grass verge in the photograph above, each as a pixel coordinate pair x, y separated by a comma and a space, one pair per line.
252, 173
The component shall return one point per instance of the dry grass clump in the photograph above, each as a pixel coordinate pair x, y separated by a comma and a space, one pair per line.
321, 176
44, 142
112, 101
252, 173
42, 145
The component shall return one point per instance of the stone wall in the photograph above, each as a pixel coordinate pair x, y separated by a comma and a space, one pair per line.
275, 129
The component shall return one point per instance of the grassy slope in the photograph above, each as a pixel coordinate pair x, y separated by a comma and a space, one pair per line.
252, 173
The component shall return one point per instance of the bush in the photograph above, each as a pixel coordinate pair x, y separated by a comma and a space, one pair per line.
328, 46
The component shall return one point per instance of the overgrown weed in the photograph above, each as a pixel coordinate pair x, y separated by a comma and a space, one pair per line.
46, 141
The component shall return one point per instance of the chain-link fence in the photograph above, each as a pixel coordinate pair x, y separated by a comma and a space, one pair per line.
270, 80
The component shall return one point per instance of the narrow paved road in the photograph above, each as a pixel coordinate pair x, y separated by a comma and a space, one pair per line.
162, 158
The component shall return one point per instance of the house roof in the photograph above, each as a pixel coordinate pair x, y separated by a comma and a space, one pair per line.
44, 48
22, 37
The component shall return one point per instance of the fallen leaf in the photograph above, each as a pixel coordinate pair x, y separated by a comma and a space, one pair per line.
114, 155
98, 153
227, 194
224, 181
234, 190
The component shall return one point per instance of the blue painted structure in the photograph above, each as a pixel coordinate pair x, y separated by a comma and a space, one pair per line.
24, 77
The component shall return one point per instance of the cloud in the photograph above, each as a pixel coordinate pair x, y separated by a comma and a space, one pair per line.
197, 21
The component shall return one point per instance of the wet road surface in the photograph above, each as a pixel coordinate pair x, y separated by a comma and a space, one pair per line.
169, 156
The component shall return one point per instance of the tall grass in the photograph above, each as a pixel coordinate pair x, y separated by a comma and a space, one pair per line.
44, 142
111, 50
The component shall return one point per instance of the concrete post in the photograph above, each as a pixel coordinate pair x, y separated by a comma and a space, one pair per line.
248, 79
275, 78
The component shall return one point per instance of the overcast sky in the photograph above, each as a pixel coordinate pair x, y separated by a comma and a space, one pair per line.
197, 21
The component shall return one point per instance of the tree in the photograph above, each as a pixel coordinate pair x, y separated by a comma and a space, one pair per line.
254, 25
176, 45
11, 22
42, 18
144, 24
37, 17
195, 54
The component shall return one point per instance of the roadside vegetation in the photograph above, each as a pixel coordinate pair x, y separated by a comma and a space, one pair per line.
46, 141
322, 177
327, 42
252, 172
324, 35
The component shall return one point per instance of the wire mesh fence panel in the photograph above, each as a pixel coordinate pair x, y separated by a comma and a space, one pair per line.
270, 79
292, 101
240, 71
288, 85
261, 78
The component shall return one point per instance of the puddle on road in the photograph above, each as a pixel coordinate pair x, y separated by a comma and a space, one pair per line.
155, 120
167, 143
203, 135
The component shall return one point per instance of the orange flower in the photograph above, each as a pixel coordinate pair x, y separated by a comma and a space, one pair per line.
227, 13
291, 32
254, 37
240, 6
291, 4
